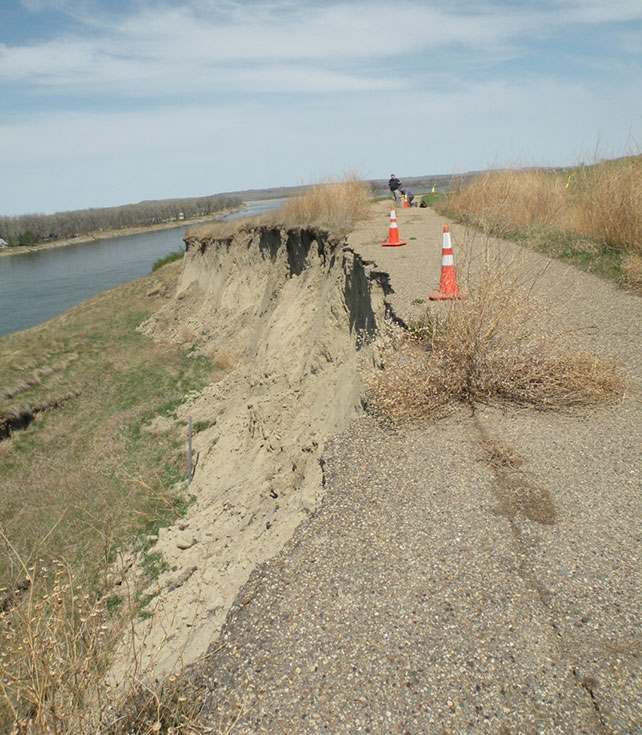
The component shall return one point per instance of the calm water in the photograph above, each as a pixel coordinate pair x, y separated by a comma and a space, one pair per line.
35, 287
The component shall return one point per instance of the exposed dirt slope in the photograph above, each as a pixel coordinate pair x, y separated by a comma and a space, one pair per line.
285, 311
442, 588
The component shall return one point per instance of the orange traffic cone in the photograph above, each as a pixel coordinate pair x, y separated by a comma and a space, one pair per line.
406, 203
448, 288
393, 234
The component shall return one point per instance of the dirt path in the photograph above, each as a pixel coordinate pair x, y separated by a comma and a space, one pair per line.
437, 592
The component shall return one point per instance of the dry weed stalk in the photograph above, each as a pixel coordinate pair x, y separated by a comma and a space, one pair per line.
492, 347
57, 641
54, 644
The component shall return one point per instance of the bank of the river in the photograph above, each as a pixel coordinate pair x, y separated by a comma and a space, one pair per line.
39, 285
108, 234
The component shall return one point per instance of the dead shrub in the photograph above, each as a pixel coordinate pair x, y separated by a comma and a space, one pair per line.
186, 334
489, 348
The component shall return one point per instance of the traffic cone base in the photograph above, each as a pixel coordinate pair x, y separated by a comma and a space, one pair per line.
448, 288
393, 233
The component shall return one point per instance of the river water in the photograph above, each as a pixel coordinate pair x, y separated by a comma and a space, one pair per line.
37, 286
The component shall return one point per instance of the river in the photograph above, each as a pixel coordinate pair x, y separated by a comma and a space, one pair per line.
37, 286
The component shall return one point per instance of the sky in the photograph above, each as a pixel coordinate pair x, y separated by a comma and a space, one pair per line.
106, 103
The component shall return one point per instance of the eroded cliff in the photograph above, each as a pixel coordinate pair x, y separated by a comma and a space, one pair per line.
291, 312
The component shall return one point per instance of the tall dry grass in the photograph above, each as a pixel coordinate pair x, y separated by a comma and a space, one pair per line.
607, 203
500, 202
336, 205
57, 642
580, 214
54, 645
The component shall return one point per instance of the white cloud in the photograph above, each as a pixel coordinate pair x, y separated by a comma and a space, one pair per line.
284, 92
593, 12
184, 39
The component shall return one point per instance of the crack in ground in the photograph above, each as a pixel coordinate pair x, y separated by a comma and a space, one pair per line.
536, 504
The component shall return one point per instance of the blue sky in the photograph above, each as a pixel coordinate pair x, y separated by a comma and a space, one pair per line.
111, 103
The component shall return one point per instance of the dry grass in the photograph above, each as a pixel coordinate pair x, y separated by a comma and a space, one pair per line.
333, 205
593, 213
607, 203
57, 640
54, 644
490, 348
500, 202
632, 268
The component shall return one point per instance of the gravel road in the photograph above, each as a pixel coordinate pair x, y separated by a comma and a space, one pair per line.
436, 591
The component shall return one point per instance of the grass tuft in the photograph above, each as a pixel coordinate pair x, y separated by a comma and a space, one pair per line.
169, 258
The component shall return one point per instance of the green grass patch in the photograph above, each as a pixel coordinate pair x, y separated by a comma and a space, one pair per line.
431, 198
91, 476
589, 255
170, 258
153, 564
201, 426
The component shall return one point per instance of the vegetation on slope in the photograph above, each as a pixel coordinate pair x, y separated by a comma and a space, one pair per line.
100, 467
591, 216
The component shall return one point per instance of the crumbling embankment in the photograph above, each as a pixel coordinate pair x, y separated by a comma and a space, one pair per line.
290, 312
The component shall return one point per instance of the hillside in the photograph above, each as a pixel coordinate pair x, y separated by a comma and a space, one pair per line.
330, 566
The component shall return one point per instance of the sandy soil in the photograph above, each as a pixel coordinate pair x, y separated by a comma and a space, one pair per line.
283, 313
423, 589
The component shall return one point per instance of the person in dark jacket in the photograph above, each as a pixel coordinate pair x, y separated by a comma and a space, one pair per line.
394, 185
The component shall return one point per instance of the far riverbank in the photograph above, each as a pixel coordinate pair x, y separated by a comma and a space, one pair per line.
108, 234
40, 285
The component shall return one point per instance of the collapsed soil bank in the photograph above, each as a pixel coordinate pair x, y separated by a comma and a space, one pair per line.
290, 312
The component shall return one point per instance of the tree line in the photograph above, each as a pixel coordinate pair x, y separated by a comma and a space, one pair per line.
30, 229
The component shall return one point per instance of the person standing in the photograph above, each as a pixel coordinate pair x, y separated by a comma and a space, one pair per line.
394, 185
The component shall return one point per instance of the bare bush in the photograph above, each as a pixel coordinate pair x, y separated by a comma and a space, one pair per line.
490, 348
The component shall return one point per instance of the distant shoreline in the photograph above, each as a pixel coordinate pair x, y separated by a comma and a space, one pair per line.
109, 234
